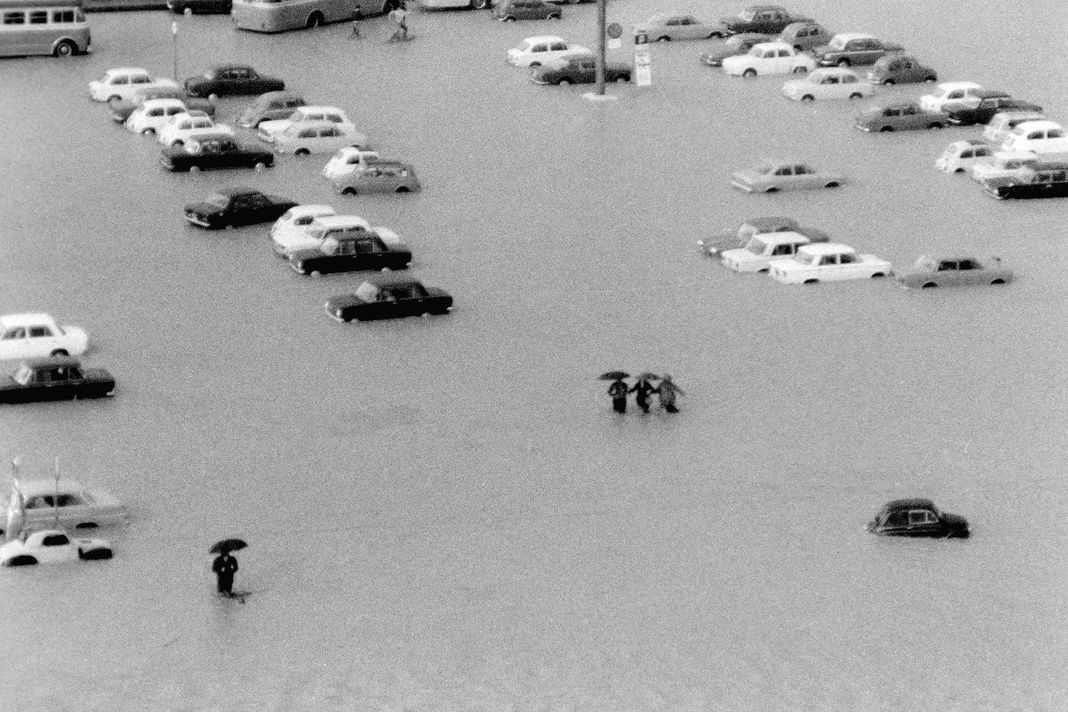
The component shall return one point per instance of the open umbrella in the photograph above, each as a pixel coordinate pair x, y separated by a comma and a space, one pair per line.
227, 545
647, 376
613, 376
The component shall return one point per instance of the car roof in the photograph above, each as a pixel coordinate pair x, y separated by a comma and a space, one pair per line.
32, 488
127, 70
314, 124
312, 209
544, 38
768, 221
52, 362
946, 86
318, 107
827, 248
162, 101
1036, 124
987, 93
221, 67
781, 237
342, 221
215, 136
899, 105
269, 96
775, 44
847, 36
910, 503
25, 319
390, 280
832, 71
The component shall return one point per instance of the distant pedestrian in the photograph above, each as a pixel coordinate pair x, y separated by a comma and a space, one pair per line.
641, 390
356, 17
400, 17
225, 566
618, 391
666, 391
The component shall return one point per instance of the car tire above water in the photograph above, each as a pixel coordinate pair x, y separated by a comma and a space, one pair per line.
65, 48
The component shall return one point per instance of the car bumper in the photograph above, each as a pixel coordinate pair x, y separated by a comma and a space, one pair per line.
742, 186
197, 220
862, 127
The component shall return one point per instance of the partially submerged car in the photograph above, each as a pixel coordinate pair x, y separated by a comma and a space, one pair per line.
233, 207
52, 546
539, 49
66, 501
828, 83
123, 84
306, 137
153, 114
990, 102
270, 129
578, 69
918, 517
36, 335
929, 272
947, 92
1042, 137
120, 109
804, 36
899, 116
853, 48
347, 161
715, 245
214, 151
766, 19
295, 222
758, 253
894, 69
55, 378
1002, 123
190, 125
1040, 180
270, 106
664, 28
770, 176
512, 10
826, 262
959, 156
1003, 166
769, 58
232, 79
379, 177
353, 253
388, 298
735, 45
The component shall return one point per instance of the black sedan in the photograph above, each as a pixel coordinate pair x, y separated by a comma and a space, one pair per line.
351, 253
964, 115
578, 69
201, 7
230, 79
55, 378
1041, 180
388, 298
214, 151
918, 517
232, 207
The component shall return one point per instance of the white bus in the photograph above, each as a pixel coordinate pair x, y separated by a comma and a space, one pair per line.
56, 27
449, 4
282, 15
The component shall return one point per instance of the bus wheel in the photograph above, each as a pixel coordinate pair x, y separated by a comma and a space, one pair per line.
65, 48
314, 20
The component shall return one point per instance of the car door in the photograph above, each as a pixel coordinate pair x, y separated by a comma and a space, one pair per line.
14, 343
367, 254
850, 266
44, 339
923, 522
258, 208
54, 548
56, 383
827, 268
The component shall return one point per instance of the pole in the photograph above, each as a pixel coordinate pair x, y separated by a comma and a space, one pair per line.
174, 42
55, 498
602, 13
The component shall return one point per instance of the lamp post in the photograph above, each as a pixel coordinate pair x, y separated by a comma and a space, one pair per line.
174, 43
602, 13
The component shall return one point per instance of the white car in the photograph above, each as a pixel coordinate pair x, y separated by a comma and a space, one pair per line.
758, 253
153, 114
124, 82
347, 161
951, 92
769, 58
75, 506
828, 83
1003, 164
52, 546
330, 227
268, 130
1043, 137
1003, 122
191, 124
306, 137
296, 221
825, 262
37, 335
540, 49
959, 156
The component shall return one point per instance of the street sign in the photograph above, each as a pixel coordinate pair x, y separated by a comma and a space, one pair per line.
642, 59
641, 38
615, 31
614, 43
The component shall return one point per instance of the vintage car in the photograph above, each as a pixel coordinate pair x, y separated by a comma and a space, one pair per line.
1041, 180
899, 116
512, 10
770, 176
190, 125
715, 245
758, 253
123, 84
536, 51
352, 253
804, 36
65, 501
917, 517
270, 106
55, 378
1003, 166
35, 335
52, 546
379, 177
948, 92
664, 28
1002, 123
848, 49
769, 58
214, 150
153, 115
232, 207
894, 69
930, 272
231, 79
326, 227
200, 7
295, 222
1042, 137
766, 19
990, 103
959, 156
120, 109
828, 83
735, 45
269, 130
306, 137
827, 262
347, 160
388, 297
578, 69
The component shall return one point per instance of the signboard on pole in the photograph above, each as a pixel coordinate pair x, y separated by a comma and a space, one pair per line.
642, 75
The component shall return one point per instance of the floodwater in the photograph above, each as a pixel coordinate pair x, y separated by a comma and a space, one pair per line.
444, 514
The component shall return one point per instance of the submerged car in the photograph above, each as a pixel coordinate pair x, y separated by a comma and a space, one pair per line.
295, 222
232, 79
959, 156
1041, 180
233, 207
771, 176
828, 83
536, 51
66, 501
153, 114
804, 36
767, 19
827, 262
213, 151
715, 245
769, 58
758, 253
307, 137
269, 130
347, 161
853, 48
512, 10
37, 335
664, 28
388, 298
735, 45
190, 125
899, 116
123, 84
948, 92
917, 517
900, 69
1041, 136
270, 106
930, 272
990, 103
120, 109
323, 228
1003, 166
352, 253
379, 177
578, 69
52, 546
55, 378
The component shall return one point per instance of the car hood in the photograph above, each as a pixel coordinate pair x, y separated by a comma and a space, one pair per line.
954, 521
202, 208
718, 55
746, 176
742, 255
344, 300
275, 126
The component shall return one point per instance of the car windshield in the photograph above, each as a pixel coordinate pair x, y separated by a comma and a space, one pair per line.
218, 200
805, 258
24, 375
756, 246
367, 292
764, 168
837, 43
747, 15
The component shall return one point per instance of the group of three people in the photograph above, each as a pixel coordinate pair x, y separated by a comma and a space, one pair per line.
642, 389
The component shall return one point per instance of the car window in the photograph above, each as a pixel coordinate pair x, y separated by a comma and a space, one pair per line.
848, 259
38, 331
947, 266
18, 332
827, 260
969, 264
784, 171
55, 540
849, 79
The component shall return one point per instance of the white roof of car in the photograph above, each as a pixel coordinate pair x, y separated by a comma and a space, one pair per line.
148, 104
342, 221
316, 210
847, 36
126, 70
949, 86
544, 38
317, 109
9, 320
831, 71
1037, 124
775, 44
780, 238
826, 248
32, 488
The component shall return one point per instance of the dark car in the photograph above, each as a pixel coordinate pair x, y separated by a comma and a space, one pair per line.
215, 150
735, 44
120, 109
351, 253
917, 517
229, 79
55, 378
578, 69
990, 102
231, 207
512, 10
849, 48
765, 19
899, 116
269, 107
893, 69
201, 7
1041, 180
388, 298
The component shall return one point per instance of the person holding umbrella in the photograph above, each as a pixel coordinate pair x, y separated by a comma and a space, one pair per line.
642, 389
666, 392
225, 565
617, 389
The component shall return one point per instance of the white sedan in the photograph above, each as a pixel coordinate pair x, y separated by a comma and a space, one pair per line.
541, 49
951, 92
191, 124
73, 505
52, 546
826, 262
36, 335
269, 130
347, 161
153, 114
306, 137
758, 253
294, 222
828, 83
124, 83
769, 58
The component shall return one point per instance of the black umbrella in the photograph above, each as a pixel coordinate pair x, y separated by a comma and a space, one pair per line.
647, 376
614, 376
227, 545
